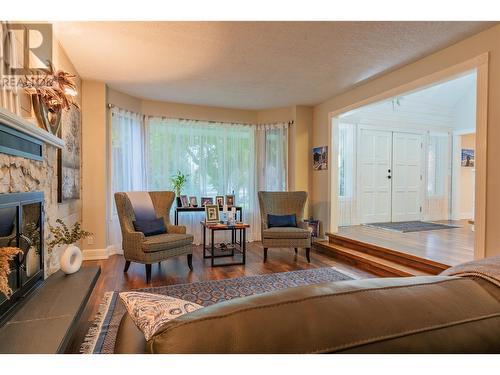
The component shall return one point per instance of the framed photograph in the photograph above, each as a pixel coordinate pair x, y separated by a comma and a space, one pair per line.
68, 158
230, 200
467, 157
313, 227
193, 201
219, 200
184, 201
320, 158
211, 214
206, 200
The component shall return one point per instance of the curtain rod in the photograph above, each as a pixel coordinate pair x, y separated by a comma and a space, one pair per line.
291, 122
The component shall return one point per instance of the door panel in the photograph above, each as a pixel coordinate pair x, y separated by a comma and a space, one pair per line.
375, 150
406, 176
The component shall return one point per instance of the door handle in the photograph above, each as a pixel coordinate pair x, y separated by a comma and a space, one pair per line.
389, 177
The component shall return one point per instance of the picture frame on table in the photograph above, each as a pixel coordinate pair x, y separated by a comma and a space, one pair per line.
219, 200
206, 200
211, 214
230, 200
193, 201
184, 201
313, 227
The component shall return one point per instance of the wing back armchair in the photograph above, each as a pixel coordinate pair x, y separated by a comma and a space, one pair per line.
148, 250
284, 203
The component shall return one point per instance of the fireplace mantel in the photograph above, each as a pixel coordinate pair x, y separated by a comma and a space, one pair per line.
15, 122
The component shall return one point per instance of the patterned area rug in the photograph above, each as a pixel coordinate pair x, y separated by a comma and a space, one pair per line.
102, 334
411, 226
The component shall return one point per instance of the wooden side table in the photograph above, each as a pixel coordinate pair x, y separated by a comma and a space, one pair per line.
216, 251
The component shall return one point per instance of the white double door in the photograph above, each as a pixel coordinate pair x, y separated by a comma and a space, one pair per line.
390, 176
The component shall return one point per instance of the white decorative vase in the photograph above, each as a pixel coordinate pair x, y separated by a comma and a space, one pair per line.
71, 259
32, 262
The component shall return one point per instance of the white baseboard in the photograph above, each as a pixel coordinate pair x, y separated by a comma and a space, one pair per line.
114, 250
99, 254
95, 254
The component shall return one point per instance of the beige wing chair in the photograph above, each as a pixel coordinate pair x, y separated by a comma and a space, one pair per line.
148, 250
284, 203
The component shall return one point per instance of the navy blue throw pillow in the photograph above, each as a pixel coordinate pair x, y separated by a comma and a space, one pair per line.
281, 221
150, 227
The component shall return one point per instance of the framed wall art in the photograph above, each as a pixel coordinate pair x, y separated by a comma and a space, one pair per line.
68, 158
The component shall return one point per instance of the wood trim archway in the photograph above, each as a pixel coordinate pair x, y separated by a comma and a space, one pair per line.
478, 63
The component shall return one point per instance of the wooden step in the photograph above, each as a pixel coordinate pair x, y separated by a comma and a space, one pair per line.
368, 262
426, 265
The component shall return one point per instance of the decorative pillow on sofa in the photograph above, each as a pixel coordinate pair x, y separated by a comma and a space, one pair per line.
281, 221
150, 311
150, 227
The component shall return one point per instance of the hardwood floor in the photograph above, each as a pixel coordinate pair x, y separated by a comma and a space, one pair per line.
176, 271
447, 246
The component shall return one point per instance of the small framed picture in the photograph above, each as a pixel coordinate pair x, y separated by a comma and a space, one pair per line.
467, 157
313, 227
320, 158
206, 200
184, 201
193, 201
219, 200
230, 200
211, 214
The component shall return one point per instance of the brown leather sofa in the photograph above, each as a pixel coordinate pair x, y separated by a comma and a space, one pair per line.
428, 314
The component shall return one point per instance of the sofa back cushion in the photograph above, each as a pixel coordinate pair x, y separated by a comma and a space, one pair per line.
432, 314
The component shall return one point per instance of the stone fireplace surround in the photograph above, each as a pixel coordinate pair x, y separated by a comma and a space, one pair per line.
19, 174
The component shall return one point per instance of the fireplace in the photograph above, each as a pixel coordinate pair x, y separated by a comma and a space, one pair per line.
21, 225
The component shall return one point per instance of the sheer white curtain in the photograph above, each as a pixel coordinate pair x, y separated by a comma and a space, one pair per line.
438, 176
272, 156
127, 162
347, 174
271, 163
219, 159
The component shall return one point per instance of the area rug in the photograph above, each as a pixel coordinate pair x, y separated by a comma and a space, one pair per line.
411, 226
102, 334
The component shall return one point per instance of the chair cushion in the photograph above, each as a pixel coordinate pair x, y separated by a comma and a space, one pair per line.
150, 227
286, 232
281, 221
166, 241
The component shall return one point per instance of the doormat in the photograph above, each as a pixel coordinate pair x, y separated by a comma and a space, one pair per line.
411, 226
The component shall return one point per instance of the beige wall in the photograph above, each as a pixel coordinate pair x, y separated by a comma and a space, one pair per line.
487, 41
179, 110
281, 114
94, 160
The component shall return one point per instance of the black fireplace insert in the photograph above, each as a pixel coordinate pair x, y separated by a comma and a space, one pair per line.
21, 225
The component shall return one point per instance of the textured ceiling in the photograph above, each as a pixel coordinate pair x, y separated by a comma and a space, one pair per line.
251, 65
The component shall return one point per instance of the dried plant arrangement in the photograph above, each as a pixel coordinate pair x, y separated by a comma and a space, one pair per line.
55, 87
62, 235
6, 255
52, 91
